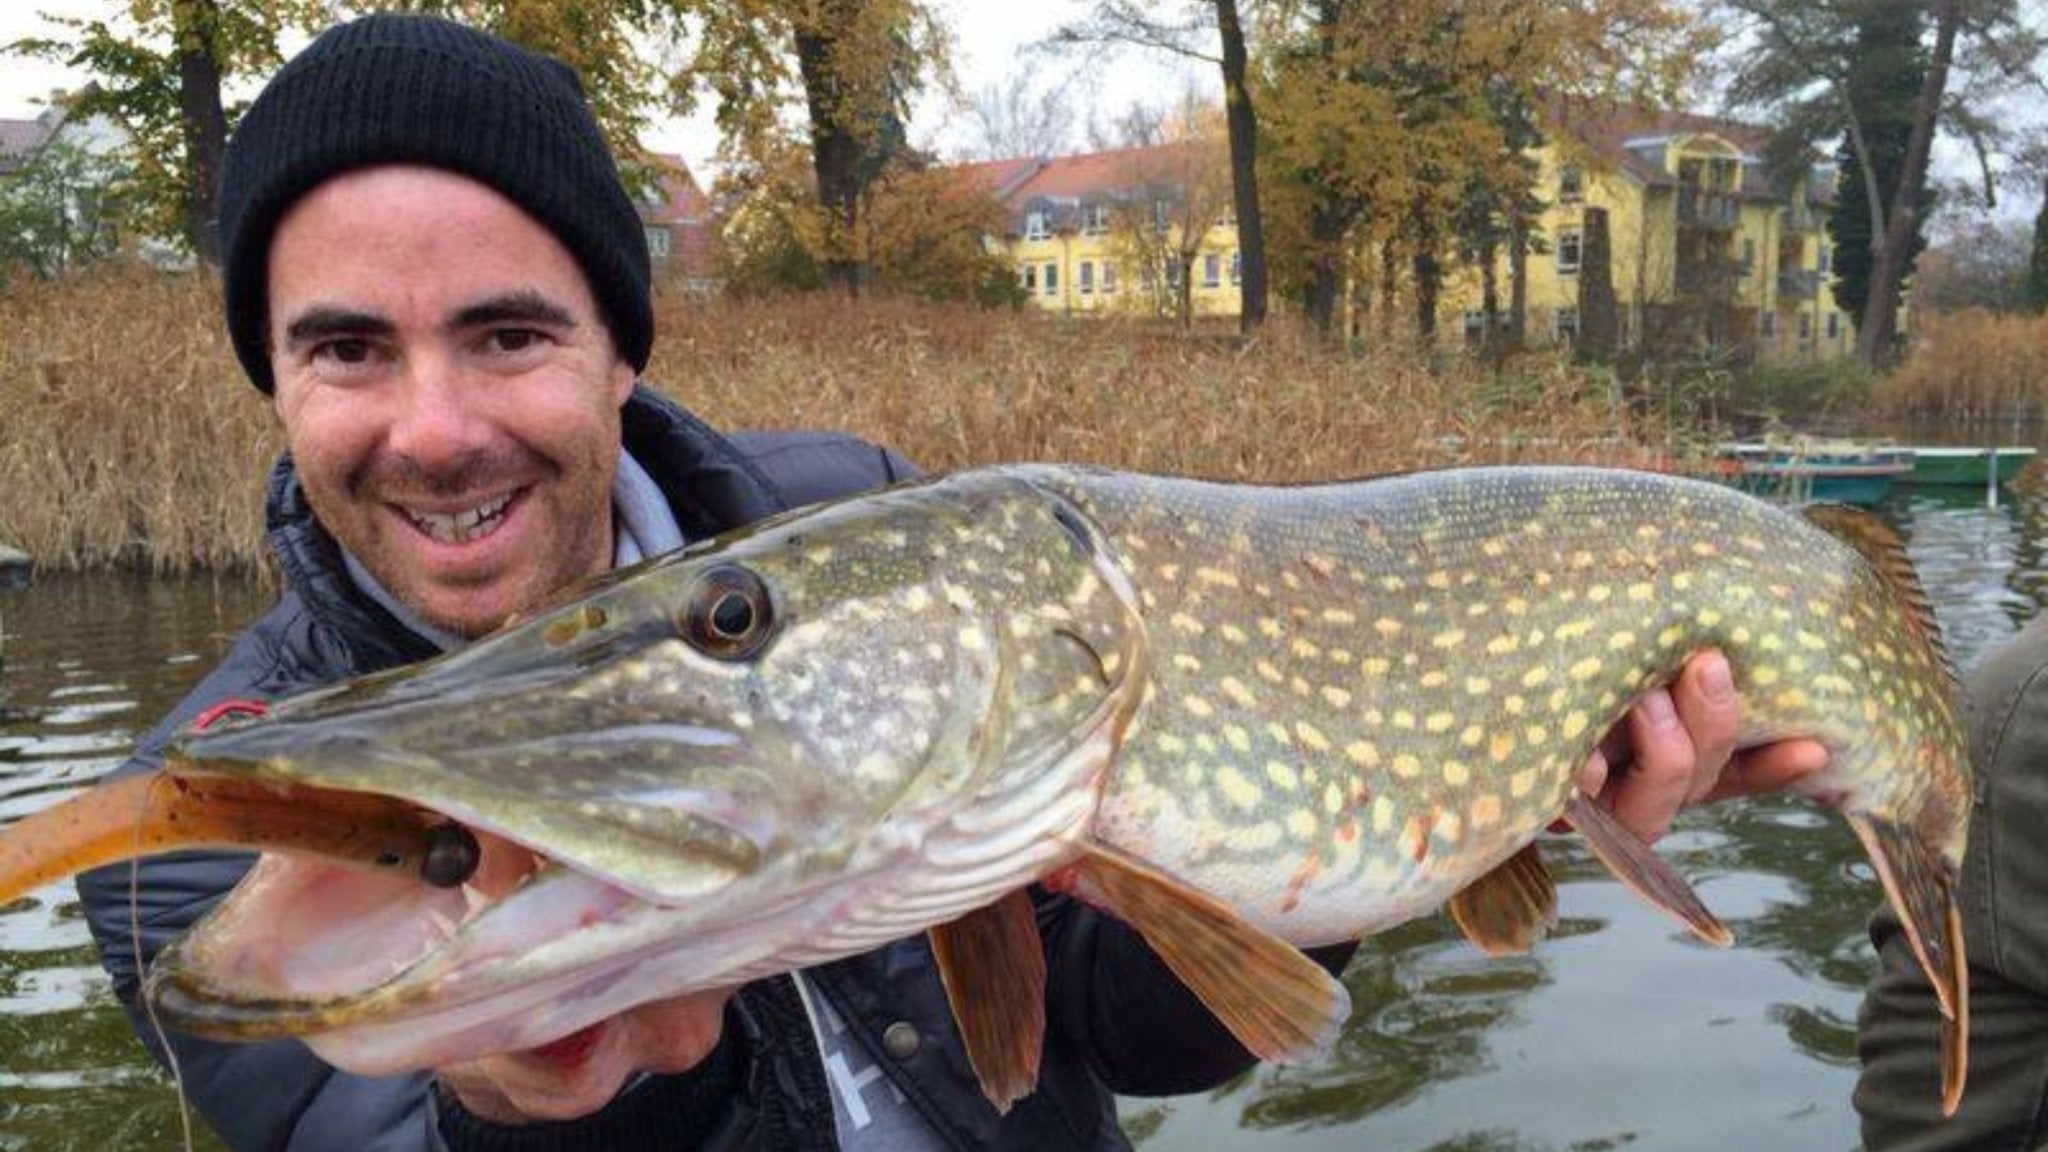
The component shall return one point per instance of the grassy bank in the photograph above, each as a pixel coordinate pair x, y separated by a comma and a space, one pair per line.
131, 439
1975, 367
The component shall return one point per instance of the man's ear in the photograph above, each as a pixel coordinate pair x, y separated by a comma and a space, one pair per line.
623, 379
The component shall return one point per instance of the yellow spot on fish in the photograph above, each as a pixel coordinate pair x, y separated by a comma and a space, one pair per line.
1234, 634
1269, 628
1338, 616
1374, 666
1237, 789
1282, 775
1704, 548
1363, 753
1171, 744
1670, 636
1522, 783
1535, 676
1586, 668
1810, 642
1599, 593
1514, 704
1216, 577
1435, 678
1238, 693
1169, 573
1447, 639
1574, 725
1439, 722
1486, 810
1198, 706
1503, 645
1311, 736
1407, 766
1268, 672
1186, 662
973, 640
1515, 606
1439, 580
1382, 815
1500, 747
1478, 686
1301, 824
1387, 627
1682, 581
1187, 623
1573, 629
1472, 735
822, 554
1642, 593
1239, 739
1337, 697
1403, 718
1707, 617
1305, 649
1620, 641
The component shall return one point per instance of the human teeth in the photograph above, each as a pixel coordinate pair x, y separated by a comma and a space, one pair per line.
460, 526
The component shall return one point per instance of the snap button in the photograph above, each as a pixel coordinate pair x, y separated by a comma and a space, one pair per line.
900, 1040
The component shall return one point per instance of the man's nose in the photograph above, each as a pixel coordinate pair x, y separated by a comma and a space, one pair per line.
439, 421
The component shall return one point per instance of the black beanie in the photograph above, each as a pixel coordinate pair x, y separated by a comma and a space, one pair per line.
396, 89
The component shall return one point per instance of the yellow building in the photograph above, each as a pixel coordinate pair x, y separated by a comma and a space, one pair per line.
1704, 248
1119, 230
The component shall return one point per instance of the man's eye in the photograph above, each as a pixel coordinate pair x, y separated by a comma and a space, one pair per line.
347, 351
514, 339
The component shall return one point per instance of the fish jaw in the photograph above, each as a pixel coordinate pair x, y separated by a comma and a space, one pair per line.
900, 754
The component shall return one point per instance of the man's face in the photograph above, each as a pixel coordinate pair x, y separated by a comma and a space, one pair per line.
448, 389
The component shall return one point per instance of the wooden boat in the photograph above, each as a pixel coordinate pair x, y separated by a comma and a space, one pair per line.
1810, 469
1966, 466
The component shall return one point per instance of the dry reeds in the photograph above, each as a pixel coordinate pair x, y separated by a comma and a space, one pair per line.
131, 439
1973, 367
129, 436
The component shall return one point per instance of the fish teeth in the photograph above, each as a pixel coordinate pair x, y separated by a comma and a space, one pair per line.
458, 527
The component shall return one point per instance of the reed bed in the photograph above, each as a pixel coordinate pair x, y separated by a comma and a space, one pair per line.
131, 439
1973, 367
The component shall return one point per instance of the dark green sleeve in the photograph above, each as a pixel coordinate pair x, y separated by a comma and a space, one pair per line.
2005, 926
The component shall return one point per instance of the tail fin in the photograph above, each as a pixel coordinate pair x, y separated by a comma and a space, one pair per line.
1885, 551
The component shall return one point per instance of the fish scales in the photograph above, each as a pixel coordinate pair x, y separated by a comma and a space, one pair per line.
1365, 695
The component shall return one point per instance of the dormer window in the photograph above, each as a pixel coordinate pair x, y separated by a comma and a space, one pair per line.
1037, 225
1095, 219
1570, 185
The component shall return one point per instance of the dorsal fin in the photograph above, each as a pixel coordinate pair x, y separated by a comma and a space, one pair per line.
1885, 550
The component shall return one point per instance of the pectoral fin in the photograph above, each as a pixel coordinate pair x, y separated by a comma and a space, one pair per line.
1510, 908
1279, 1003
993, 967
1643, 871
1916, 882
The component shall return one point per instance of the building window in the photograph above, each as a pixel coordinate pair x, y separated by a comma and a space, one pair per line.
1086, 284
1052, 279
1212, 271
1568, 242
1767, 323
657, 242
1108, 277
1567, 326
1095, 219
1027, 276
1162, 216
1036, 226
1173, 274
1834, 325
1805, 327
1827, 260
1475, 326
1748, 255
1570, 185
1236, 267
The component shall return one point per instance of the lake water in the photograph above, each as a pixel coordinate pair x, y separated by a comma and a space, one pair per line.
1618, 1033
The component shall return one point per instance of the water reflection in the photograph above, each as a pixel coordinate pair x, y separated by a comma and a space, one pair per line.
1621, 1032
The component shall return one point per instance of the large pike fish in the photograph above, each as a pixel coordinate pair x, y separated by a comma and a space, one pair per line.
1240, 718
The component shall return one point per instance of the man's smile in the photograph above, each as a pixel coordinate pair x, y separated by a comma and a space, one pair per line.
464, 525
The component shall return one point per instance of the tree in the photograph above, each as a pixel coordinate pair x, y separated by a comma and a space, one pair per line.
1138, 22
2036, 294
158, 69
1828, 68
852, 64
54, 210
1169, 195
1013, 120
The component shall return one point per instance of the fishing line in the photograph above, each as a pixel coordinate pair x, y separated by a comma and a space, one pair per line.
163, 1037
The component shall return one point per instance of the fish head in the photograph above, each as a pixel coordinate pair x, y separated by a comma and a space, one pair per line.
671, 773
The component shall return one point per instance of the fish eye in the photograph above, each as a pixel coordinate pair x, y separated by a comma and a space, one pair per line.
729, 616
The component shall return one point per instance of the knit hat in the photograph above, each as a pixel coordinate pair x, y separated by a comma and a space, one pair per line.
400, 89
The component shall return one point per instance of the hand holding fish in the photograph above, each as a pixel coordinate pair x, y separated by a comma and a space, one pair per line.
1677, 747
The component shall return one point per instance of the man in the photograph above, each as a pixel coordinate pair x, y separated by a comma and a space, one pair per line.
2005, 872
432, 269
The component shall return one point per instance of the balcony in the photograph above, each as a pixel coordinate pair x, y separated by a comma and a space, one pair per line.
1798, 220
1714, 211
1798, 284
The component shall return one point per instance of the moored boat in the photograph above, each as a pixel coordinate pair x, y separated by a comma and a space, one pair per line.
1837, 471
1966, 466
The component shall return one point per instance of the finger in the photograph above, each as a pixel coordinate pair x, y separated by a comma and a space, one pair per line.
1711, 714
1770, 768
1648, 796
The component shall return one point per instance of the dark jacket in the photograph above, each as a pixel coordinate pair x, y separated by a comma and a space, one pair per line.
2005, 930
1116, 1021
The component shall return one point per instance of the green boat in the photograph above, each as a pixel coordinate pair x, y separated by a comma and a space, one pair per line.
1971, 466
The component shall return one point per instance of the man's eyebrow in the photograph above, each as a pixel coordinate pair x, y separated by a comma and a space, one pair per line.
327, 323
522, 307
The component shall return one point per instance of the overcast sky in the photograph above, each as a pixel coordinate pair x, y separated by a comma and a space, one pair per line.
993, 43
